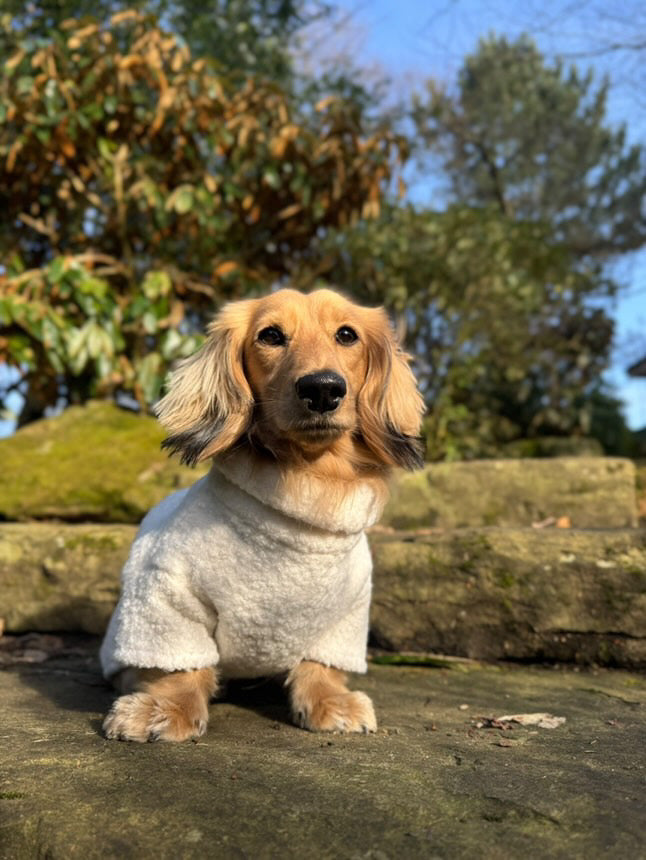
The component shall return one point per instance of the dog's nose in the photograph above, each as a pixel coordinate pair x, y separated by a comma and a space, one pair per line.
321, 391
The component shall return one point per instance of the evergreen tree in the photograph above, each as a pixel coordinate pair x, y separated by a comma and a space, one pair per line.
532, 138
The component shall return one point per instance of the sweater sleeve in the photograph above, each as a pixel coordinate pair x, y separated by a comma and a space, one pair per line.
344, 645
159, 623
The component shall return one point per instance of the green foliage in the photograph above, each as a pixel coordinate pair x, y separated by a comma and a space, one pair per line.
502, 289
608, 425
532, 139
495, 314
67, 319
138, 187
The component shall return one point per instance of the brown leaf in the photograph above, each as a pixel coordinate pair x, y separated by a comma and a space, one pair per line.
29, 648
225, 268
127, 15
68, 149
289, 211
14, 61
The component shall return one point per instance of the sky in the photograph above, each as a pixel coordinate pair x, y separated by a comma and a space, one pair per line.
410, 41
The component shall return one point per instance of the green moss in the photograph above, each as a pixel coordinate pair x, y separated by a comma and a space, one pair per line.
430, 660
96, 463
491, 517
504, 579
92, 542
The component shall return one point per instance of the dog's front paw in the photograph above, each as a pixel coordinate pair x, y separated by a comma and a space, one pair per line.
339, 712
142, 717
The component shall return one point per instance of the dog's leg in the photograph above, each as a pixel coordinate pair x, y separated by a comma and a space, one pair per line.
321, 702
166, 706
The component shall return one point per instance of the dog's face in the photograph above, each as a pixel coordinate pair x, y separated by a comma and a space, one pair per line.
306, 359
294, 372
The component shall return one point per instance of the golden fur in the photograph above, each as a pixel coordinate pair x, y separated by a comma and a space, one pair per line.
237, 397
170, 706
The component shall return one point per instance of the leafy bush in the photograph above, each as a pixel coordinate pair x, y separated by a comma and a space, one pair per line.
139, 187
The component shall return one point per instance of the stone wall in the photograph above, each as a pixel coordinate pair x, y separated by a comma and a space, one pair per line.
468, 560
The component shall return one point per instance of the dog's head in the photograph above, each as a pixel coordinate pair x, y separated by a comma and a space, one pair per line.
296, 373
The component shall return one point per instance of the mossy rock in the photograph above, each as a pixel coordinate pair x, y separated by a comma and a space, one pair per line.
100, 463
95, 462
592, 492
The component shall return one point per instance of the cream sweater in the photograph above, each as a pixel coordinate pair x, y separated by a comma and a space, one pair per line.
234, 573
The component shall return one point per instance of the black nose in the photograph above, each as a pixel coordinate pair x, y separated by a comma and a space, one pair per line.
321, 391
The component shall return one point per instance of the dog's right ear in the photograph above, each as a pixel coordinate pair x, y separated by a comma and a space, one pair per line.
209, 403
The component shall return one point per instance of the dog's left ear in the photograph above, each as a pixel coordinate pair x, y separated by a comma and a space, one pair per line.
390, 404
209, 403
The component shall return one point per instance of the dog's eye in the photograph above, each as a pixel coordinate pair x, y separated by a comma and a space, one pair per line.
346, 335
272, 336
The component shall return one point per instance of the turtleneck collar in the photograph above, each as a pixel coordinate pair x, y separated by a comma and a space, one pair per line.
311, 500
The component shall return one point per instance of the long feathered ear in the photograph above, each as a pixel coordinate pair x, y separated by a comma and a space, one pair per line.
390, 404
209, 403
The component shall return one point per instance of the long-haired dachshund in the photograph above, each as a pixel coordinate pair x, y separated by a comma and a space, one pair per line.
304, 403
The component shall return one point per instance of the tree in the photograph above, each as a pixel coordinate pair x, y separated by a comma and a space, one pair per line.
608, 424
505, 285
243, 36
532, 139
139, 186
495, 314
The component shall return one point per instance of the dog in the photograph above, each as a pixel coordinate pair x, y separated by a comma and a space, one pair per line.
304, 403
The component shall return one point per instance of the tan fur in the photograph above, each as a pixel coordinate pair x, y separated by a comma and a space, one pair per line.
321, 702
236, 397
166, 706
211, 384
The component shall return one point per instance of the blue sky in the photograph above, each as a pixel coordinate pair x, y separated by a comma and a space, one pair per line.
412, 40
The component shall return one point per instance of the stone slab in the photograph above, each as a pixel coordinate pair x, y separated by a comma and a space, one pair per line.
520, 594
592, 492
523, 594
429, 784
56, 576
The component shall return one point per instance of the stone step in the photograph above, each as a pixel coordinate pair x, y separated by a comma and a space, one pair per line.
591, 492
523, 594
430, 782
103, 464
58, 577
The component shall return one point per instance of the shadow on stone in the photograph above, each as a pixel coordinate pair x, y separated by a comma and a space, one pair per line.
71, 679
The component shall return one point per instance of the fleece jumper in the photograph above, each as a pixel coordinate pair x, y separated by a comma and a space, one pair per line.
237, 572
